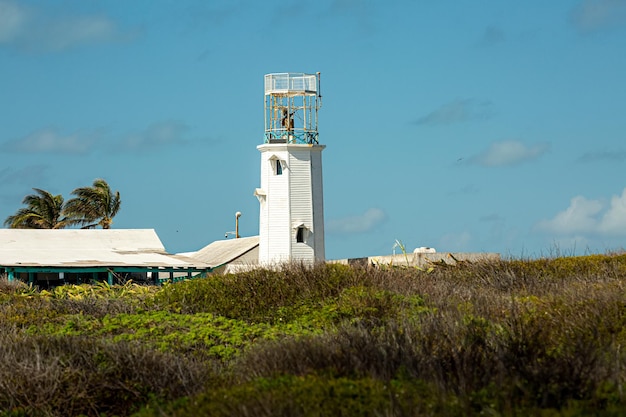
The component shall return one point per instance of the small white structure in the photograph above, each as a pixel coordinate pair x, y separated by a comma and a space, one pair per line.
291, 222
424, 249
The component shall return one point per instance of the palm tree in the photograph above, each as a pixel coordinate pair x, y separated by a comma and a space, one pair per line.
43, 211
93, 206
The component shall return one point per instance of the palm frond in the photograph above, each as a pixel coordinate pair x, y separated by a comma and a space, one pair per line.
93, 205
43, 211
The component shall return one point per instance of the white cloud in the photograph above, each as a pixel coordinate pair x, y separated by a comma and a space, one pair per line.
614, 220
457, 111
12, 20
53, 140
50, 140
580, 216
585, 216
358, 223
594, 15
493, 217
71, 32
492, 35
155, 136
39, 30
604, 156
508, 152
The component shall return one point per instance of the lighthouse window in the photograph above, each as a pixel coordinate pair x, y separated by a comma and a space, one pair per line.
300, 234
279, 167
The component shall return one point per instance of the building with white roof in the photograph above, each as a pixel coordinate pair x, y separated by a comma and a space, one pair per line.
229, 255
53, 257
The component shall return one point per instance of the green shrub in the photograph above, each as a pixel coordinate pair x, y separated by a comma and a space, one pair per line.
254, 295
513, 337
314, 395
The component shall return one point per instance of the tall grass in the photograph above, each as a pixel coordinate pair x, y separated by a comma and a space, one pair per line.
71, 376
510, 337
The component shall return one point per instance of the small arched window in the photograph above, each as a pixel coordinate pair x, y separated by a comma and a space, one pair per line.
277, 165
300, 234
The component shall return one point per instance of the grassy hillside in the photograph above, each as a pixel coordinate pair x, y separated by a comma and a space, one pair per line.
516, 337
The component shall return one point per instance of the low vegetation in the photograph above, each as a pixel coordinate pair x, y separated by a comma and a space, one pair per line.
513, 337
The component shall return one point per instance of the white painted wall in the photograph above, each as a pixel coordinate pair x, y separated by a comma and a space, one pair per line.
289, 200
318, 205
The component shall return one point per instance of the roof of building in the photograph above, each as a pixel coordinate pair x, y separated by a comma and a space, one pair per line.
222, 252
88, 248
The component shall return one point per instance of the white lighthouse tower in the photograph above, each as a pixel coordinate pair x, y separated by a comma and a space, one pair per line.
291, 224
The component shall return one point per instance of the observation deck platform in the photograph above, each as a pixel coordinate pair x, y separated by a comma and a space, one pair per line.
291, 84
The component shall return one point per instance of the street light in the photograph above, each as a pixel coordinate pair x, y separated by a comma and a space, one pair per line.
236, 232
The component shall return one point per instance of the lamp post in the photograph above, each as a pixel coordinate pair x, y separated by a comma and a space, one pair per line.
236, 232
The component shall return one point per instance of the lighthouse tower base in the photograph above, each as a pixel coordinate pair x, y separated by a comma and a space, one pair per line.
291, 223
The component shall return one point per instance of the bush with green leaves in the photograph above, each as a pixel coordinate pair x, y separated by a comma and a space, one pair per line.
512, 337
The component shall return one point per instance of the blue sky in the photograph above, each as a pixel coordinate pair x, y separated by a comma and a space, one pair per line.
466, 126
